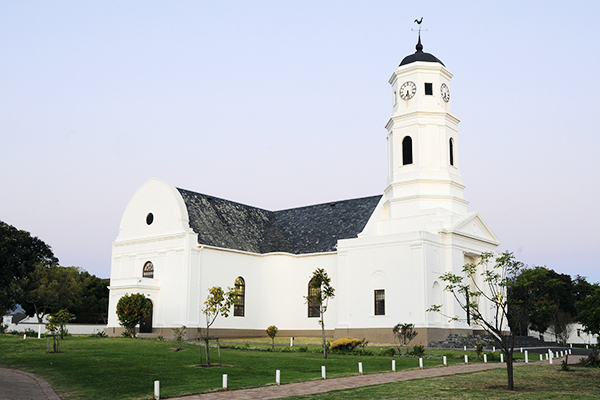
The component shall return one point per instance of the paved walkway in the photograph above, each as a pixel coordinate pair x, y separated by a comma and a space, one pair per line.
19, 385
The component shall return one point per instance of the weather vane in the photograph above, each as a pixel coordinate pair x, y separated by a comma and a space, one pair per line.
419, 21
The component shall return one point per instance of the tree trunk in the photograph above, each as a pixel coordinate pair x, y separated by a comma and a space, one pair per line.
593, 359
272, 344
207, 349
323, 333
509, 370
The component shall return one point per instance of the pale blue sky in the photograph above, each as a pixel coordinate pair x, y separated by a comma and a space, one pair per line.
283, 104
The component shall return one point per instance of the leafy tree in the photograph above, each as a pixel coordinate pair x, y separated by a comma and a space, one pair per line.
47, 289
91, 306
562, 326
553, 293
403, 334
589, 316
499, 273
320, 298
131, 309
218, 302
19, 253
272, 332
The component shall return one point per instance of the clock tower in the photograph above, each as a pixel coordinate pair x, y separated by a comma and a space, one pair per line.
423, 149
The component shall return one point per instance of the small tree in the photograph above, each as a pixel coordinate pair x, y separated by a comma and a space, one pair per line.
131, 309
179, 335
53, 328
498, 274
62, 319
272, 332
403, 334
218, 302
321, 282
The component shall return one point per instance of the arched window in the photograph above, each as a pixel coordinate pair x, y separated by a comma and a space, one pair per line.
313, 303
240, 293
407, 154
451, 151
148, 270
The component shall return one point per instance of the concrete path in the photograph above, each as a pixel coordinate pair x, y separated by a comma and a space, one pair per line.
321, 386
19, 385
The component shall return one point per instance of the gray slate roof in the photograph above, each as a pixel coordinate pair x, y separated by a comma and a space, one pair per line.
310, 229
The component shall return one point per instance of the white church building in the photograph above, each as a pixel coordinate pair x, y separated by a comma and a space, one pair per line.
384, 254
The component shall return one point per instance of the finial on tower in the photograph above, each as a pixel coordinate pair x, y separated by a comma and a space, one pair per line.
419, 46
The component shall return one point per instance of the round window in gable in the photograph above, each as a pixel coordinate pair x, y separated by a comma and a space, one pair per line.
149, 218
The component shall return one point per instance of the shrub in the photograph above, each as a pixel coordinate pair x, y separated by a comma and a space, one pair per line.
418, 350
389, 352
303, 349
479, 350
99, 334
345, 344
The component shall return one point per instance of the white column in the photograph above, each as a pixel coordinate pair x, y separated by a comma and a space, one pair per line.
526, 357
501, 357
360, 368
466, 359
323, 372
278, 377
394, 365
485, 358
445, 362
157, 389
224, 381
420, 363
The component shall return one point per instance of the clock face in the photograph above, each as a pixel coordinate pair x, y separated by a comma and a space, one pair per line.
445, 92
408, 90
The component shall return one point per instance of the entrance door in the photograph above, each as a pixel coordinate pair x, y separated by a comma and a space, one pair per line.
146, 323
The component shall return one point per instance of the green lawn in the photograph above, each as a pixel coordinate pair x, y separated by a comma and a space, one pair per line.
120, 368
534, 382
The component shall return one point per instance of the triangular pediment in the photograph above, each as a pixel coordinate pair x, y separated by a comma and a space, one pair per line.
472, 225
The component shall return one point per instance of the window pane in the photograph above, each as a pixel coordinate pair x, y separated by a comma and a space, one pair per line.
380, 302
148, 271
240, 297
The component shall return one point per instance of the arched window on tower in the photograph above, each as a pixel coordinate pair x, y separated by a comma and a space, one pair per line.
451, 146
148, 270
313, 303
240, 297
407, 154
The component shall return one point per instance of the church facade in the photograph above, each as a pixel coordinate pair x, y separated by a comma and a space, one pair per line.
384, 253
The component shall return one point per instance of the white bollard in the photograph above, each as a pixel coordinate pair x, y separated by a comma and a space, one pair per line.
546, 356
550, 359
360, 368
466, 359
156, 389
420, 363
501, 357
485, 358
278, 377
586, 346
521, 349
39, 331
323, 372
24, 336
541, 357
570, 345
393, 365
526, 357
292, 341
445, 362
494, 349
570, 351
465, 347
